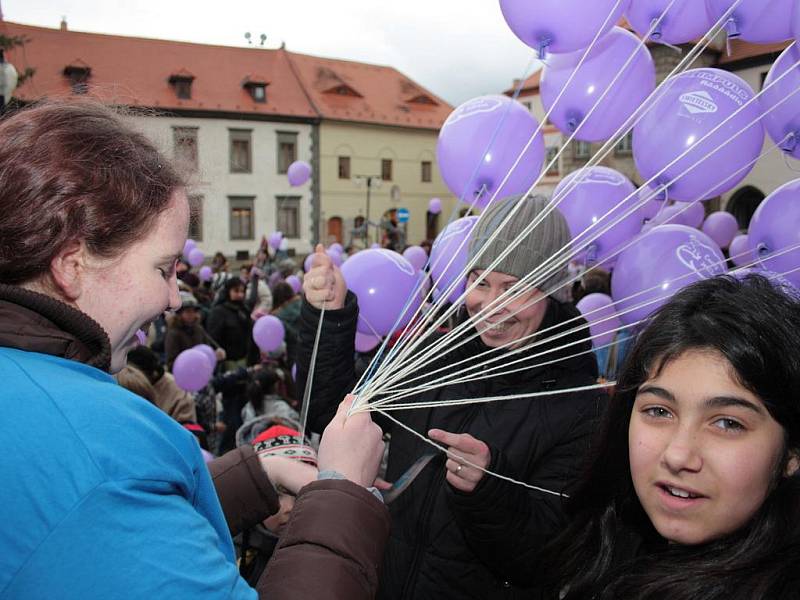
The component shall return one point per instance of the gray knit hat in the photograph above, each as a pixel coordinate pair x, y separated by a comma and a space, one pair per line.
547, 238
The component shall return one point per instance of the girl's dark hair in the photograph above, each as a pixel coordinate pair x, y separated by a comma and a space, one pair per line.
611, 550
72, 170
281, 294
262, 384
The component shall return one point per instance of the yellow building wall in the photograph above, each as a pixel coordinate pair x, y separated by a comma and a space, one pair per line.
367, 145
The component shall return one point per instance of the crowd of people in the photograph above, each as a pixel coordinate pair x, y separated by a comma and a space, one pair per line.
681, 482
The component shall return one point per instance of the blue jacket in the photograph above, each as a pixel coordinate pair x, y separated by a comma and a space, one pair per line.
101, 494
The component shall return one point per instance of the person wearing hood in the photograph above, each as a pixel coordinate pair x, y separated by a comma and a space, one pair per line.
455, 534
184, 331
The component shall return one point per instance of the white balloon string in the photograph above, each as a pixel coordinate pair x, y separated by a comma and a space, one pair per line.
310, 377
454, 284
480, 366
463, 460
598, 157
423, 359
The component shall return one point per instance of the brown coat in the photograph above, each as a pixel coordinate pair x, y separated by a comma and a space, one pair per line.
333, 544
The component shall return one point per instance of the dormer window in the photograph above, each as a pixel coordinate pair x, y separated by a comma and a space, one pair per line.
257, 88
343, 90
182, 82
78, 74
423, 99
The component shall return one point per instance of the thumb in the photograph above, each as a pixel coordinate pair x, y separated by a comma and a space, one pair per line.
321, 258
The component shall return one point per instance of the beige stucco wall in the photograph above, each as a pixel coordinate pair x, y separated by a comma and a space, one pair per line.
214, 181
367, 145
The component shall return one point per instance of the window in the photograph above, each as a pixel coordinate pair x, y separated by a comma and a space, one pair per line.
182, 84
242, 217
553, 169
386, 169
344, 167
427, 171
431, 225
763, 79
78, 75
196, 218
241, 153
625, 145
581, 150
287, 150
288, 215
258, 92
528, 105
185, 146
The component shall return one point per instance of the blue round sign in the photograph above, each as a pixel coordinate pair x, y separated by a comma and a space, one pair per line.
403, 215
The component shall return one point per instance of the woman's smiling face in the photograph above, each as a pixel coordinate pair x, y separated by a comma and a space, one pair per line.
703, 449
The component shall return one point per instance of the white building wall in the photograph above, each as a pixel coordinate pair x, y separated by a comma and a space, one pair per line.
215, 183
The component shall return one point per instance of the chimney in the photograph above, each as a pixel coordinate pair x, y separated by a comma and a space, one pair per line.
64, 24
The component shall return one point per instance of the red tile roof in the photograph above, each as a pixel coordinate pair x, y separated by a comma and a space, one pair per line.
354, 91
530, 85
136, 72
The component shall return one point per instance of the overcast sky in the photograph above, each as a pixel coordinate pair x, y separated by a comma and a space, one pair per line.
456, 48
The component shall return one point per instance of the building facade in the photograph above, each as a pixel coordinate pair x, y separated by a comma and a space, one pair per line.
236, 118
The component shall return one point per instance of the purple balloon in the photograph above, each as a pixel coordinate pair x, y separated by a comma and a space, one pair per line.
335, 256
299, 172
435, 206
207, 456
680, 21
205, 273
365, 342
274, 239
678, 123
592, 101
192, 370
417, 256
188, 246
652, 206
781, 102
756, 21
274, 279
599, 312
196, 257
561, 25
659, 263
721, 226
385, 284
336, 246
774, 234
295, 283
209, 353
592, 200
308, 263
739, 251
141, 337
479, 144
375, 246
268, 333
449, 255
672, 214
694, 214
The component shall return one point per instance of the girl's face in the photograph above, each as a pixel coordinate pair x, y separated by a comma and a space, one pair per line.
703, 449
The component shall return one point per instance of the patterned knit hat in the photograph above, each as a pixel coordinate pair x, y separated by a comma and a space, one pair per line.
547, 237
280, 440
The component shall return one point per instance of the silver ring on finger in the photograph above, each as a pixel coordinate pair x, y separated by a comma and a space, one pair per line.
458, 469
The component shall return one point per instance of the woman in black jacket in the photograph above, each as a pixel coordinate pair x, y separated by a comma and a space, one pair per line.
446, 543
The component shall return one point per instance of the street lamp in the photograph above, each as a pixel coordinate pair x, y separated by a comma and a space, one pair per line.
8, 80
370, 181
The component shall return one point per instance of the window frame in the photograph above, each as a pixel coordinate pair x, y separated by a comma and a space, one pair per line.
240, 135
280, 224
241, 203
283, 169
